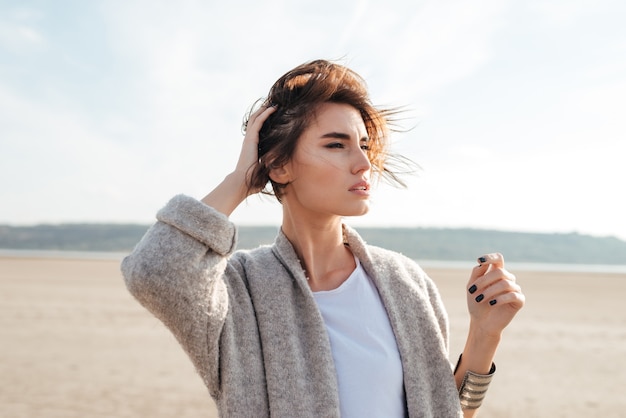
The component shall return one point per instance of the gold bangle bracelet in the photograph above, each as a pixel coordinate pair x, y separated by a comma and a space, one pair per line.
474, 388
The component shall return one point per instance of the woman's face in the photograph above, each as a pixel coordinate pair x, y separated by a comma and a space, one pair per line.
329, 172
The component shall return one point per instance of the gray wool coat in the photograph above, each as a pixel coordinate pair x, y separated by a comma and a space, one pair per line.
251, 327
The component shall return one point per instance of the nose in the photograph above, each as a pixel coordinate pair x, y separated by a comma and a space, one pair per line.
362, 162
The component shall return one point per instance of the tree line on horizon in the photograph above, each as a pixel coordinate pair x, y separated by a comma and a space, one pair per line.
418, 243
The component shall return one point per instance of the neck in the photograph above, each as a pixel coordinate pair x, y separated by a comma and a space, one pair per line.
320, 247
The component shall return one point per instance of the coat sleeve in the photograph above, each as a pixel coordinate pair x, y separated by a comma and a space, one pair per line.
176, 272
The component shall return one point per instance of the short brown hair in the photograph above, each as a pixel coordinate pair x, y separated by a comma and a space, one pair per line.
297, 95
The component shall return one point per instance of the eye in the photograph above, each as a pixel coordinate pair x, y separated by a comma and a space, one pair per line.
335, 145
365, 147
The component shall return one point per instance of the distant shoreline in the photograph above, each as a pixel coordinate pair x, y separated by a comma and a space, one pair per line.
62, 254
426, 264
536, 267
101, 240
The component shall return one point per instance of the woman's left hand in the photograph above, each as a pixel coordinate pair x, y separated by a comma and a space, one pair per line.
493, 296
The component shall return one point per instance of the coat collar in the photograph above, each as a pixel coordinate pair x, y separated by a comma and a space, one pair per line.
403, 291
285, 252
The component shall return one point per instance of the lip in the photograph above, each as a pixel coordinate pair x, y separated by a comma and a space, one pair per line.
360, 187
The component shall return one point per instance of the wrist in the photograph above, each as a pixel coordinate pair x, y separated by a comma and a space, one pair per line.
484, 335
480, 350
228, 194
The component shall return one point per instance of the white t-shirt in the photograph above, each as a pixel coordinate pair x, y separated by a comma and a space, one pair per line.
364, 349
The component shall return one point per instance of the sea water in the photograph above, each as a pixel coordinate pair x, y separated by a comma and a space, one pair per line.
442, 264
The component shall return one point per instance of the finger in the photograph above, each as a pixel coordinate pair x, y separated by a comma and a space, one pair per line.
515, 299
478, 285
495, 275
258, 112
256, 120
493, 291
496, 259
485, 262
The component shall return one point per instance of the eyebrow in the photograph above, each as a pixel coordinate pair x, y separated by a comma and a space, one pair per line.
341, 135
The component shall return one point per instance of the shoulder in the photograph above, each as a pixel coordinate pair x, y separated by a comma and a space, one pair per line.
388, 264
261, 254
380, 257
396, 262
257, 262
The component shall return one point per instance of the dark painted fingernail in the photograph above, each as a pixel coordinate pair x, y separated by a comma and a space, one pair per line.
472, 289
493, 302
482, 260
480, 297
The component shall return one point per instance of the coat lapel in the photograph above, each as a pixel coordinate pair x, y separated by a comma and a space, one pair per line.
422, 343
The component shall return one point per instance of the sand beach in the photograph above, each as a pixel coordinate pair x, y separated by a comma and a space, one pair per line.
75, 344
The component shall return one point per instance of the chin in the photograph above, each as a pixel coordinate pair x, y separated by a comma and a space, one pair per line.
358, 211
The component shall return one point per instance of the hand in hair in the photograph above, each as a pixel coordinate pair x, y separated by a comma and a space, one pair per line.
249, 155
234, 188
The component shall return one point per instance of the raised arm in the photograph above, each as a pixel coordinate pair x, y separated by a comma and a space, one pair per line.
177, 270
191, 238
234, 188
493, 300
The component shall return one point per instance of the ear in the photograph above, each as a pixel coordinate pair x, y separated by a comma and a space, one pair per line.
280, 175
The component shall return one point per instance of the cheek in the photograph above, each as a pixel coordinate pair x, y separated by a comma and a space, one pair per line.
318, 161
317, 171
314, 181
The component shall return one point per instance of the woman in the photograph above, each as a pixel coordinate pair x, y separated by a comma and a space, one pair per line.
319, 324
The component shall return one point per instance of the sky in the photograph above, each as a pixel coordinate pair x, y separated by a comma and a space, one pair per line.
515, 109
